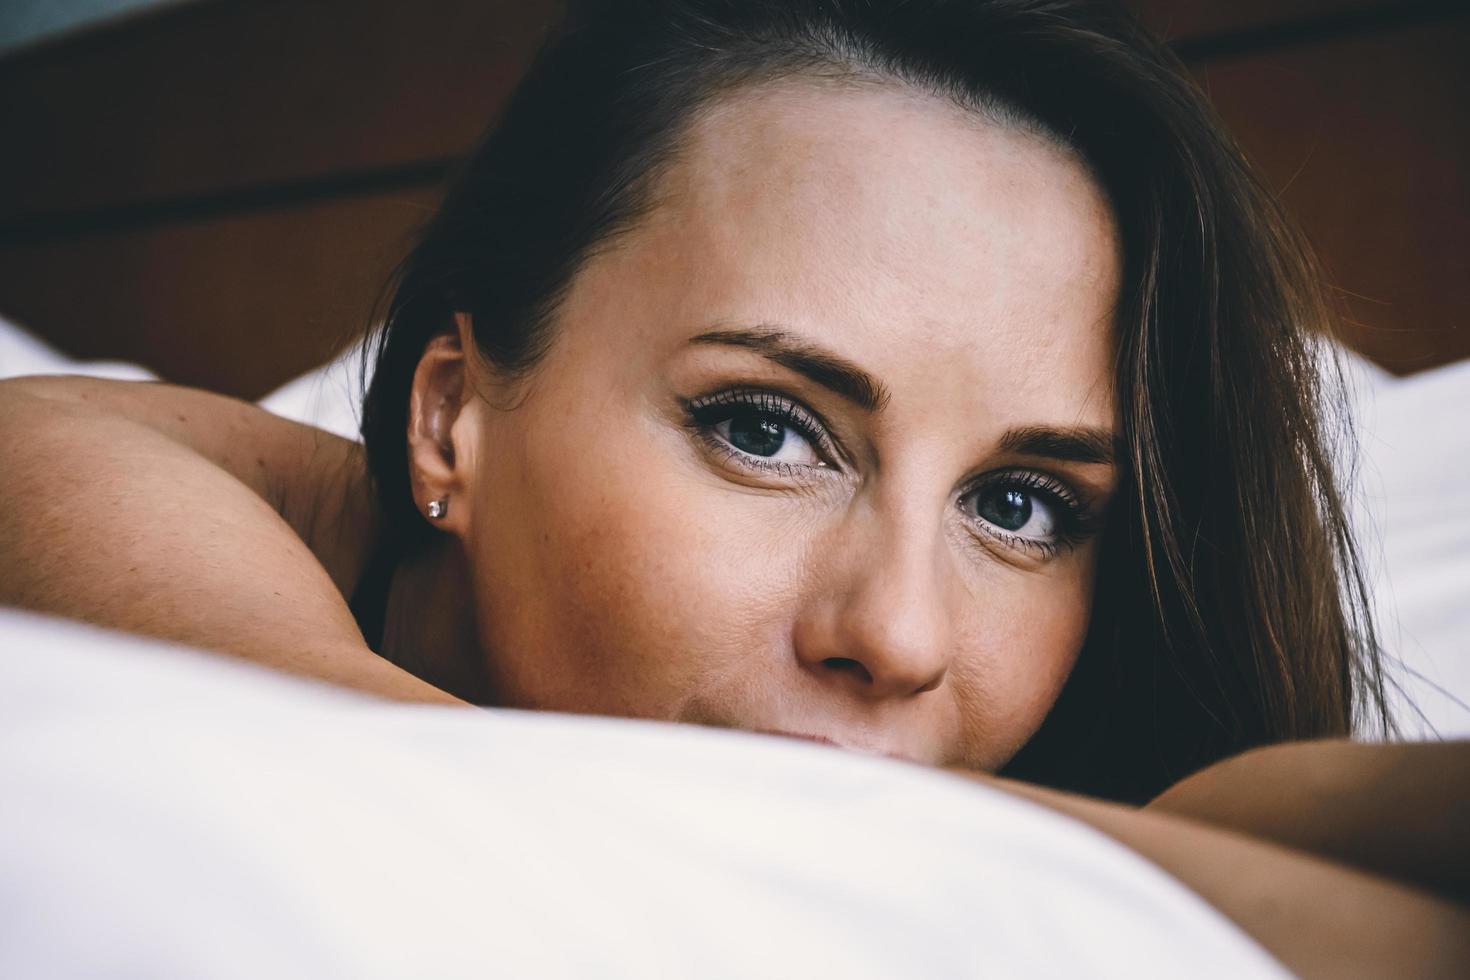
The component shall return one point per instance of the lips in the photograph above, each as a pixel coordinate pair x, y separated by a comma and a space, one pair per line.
824, 740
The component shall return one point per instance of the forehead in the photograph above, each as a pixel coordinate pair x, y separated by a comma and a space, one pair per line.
941, 250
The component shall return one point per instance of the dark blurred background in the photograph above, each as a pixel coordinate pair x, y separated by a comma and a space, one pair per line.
217, 188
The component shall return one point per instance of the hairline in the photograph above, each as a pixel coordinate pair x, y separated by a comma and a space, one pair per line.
650, 193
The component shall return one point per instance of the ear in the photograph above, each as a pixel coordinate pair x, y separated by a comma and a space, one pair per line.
441, 428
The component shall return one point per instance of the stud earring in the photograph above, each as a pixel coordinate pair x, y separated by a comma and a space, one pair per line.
438, 508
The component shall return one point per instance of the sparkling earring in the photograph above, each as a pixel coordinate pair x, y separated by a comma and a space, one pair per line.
438, 508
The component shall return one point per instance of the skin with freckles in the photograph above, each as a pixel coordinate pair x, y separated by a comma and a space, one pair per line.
674, 517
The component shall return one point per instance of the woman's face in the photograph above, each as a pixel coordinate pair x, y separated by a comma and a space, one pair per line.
821, 445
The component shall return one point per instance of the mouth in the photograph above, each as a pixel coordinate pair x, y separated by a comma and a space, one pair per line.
824, 740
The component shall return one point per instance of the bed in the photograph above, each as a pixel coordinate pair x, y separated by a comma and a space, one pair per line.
195, 817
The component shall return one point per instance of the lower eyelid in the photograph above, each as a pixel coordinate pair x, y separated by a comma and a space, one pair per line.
1074, 525
716, 444
998, 546
1017, 540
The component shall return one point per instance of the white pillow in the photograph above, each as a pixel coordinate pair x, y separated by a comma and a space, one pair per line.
172, 814
21, 354
329, 398
1412, 505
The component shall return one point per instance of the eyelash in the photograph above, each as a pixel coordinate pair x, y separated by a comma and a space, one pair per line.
1075, 522
705, 413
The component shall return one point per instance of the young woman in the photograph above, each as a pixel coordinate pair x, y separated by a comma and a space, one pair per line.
933, 379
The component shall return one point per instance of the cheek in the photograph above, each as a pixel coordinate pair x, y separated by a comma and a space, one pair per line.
1025, 635
635, 585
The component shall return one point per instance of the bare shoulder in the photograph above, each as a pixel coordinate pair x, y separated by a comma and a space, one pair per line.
187, 516
315, 480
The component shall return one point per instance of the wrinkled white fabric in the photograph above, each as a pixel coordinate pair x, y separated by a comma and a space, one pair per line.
329, 398
1411, 502
22, 353
173, 814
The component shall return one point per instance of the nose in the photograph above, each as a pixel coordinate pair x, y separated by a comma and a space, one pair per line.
879, 628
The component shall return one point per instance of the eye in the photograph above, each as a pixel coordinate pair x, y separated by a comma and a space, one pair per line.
765, 429
768, 437
1016, 511
1029, 510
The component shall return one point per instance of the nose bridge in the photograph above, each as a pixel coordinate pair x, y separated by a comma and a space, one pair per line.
883, 629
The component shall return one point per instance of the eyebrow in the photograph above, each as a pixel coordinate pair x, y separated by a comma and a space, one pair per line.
827, 369
1081, 444
1078, 444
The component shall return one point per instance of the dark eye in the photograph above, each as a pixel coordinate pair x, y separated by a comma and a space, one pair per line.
1031, 510
769, 437
761, 425
759, 435
1016, 510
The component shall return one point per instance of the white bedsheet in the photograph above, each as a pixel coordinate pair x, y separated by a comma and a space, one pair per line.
1413, 515
173, 814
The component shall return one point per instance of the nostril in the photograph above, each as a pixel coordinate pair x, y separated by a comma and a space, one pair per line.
849, 666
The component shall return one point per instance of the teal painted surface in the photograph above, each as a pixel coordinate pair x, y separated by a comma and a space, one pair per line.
27, 22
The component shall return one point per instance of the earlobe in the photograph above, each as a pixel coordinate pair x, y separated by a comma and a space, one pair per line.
437, 466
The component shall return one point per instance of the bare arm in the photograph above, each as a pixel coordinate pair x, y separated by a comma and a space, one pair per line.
1402, 811
1341, 858
1320, 918
190, 517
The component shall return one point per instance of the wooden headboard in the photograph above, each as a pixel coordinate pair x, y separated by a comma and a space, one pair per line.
218, 189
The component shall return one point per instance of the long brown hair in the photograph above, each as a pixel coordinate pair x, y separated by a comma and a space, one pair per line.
1230, 609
